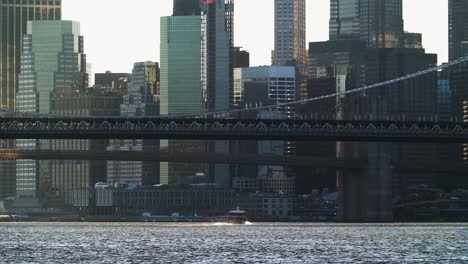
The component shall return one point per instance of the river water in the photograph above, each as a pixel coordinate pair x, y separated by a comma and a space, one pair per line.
220, 243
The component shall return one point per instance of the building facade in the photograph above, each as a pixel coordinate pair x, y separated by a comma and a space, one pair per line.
378, 22
13, 26
141, 99
261, 86
290, 32
278, 81
183, 78
114, 80
458, 28
195, 74
241, 58
53, 59
68, 176
206, 201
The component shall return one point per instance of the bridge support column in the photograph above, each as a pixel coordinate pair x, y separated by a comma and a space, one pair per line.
366, 196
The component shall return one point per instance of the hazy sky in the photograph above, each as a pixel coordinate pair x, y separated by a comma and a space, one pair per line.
121, 32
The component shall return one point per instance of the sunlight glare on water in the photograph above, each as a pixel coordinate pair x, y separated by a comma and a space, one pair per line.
222, 243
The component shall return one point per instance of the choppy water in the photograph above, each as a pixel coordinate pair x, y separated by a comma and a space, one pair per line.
218, 243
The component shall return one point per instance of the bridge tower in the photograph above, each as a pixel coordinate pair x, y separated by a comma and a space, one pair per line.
366, 196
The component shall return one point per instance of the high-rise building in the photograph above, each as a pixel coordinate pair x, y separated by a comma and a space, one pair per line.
183, 75
229, 24
259, 86
378, 22
290, 32
186, 7
13, 25
52, 59
68, 176
276, 82
141, 99
195, 66
458, 28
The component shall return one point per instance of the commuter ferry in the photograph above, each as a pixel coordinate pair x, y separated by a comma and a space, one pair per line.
237, 217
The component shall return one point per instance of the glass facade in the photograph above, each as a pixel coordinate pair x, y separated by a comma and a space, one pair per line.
52, 60
458, 29
14, 15
280, 83
183, 72
181, 65
68, 176
378, 22
141, 99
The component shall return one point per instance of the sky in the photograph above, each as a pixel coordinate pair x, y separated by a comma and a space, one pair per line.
120, 32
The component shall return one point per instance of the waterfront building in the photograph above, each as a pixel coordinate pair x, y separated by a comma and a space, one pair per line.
13, 26
53, 59
67, 176
163, 200
266, 206
458, 28
378, 22
141, 99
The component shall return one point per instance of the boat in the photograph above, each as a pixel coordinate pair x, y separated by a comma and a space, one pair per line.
237, 217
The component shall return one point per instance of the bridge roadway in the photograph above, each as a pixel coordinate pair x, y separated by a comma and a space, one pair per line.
225, 158
230, 129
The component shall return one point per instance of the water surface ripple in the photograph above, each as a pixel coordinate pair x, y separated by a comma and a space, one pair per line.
218, 243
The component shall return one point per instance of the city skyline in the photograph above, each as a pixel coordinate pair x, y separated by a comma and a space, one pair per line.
117, 32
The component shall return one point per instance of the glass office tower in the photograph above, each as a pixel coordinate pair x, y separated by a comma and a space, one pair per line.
458, 29
378, 22
52, 59
195, 69
13, 23
183, 75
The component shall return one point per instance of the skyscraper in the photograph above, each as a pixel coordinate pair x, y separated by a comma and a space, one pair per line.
141, 99
378, 22
458, 28
13, 24
183, 76
195, 65
70, 175
52, 59
290, 32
